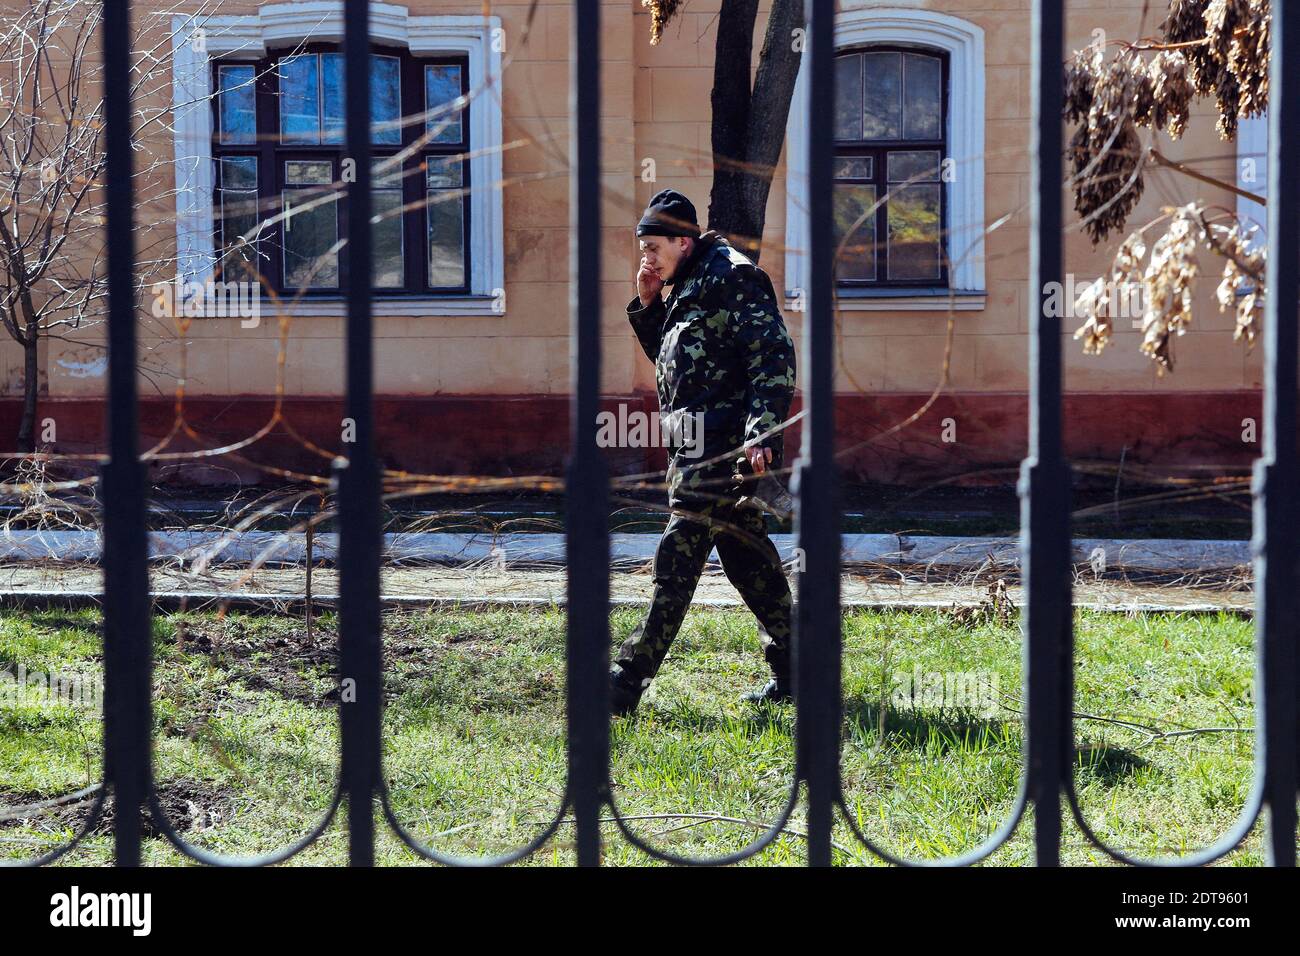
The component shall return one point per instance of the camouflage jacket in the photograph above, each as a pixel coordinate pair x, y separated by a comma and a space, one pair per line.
720, 347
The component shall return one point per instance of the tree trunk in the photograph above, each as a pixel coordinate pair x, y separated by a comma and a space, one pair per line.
744, 159
733, 53
27, 424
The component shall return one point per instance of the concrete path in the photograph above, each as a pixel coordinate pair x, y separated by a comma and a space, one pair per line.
1100, 554
487, 584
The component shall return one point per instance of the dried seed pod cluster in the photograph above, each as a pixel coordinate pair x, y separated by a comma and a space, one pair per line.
1227, 53
1248, 59
1209, 48
1243, 277
1166, 285
661, 11
1109, 102
1186, 24
1213, 48
1105, 152
1171, 92
1097, 308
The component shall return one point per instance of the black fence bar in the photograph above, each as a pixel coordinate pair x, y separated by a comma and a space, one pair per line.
587, 480
817, 632
1044, 474
1276, 471
360, 540
127, 645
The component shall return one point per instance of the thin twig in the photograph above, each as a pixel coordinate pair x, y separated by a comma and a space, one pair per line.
1160, 159
19, 813
1153, 733
709, 818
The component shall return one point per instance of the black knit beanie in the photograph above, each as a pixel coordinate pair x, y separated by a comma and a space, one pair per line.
669, 214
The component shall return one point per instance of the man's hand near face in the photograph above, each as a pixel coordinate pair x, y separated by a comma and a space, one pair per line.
649, 283
758, 459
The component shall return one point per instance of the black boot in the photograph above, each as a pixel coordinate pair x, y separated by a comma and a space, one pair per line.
778, 690
624, 692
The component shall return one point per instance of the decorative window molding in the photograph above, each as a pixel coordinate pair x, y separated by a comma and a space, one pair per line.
196, 41
964, 44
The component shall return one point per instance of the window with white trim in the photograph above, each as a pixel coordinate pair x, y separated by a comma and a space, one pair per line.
258, 113
280, 159
956, 47
889, 151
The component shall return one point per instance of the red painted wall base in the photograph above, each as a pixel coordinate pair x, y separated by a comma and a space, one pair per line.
972, 437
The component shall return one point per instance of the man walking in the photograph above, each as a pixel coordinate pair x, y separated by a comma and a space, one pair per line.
722, 356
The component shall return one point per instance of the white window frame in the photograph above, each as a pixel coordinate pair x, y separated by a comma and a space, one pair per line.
964, 43
322, 21
1252, 143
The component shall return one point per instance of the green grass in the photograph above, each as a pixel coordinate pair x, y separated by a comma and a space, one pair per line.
246, 738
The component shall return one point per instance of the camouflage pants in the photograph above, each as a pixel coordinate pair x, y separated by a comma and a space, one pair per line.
705, 515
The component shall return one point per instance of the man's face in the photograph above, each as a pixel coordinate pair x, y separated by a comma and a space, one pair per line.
664, 254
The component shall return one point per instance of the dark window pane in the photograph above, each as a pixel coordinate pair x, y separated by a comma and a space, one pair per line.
441, 86
857, 261
386, 99
444, 172
311, 108
917, 165
238, 211
913, 214
882, 96
308, 172
385, 173
853, 167
238, 172
386, 236
238, 220
446, 240
848, 97
310, 231
334, 109
299, 100
238, 116
922, 97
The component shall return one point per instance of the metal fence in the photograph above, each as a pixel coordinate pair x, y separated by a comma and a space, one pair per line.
1044, 488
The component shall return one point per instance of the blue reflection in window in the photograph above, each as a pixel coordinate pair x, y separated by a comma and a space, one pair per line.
299, 100
238, 116
441, 86
385, 99
335, 121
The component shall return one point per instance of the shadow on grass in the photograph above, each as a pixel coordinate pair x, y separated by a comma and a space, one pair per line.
56, 620
918, 729
1107, 765
681, 715
941, 730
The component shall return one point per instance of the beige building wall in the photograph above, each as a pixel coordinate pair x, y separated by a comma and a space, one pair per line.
656, 106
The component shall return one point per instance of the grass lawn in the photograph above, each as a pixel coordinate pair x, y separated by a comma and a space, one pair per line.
246, 738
